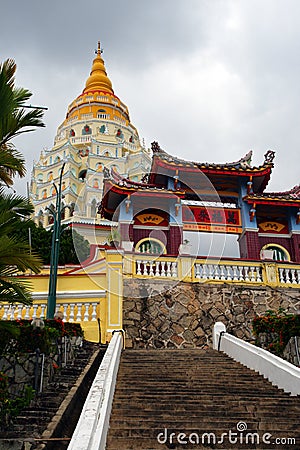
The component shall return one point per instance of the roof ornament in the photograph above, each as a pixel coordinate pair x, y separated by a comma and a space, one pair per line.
244, 162
145, 178
99, 50
106, 173
269, 157
155, 147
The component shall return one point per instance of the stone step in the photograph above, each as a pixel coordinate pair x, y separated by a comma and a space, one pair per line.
190, 391
202, 414
153, 444
218, 429
33, 420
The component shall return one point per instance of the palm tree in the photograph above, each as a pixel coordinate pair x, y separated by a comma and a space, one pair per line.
14, 120
15, 254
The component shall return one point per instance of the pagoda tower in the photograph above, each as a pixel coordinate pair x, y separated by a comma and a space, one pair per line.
96, 134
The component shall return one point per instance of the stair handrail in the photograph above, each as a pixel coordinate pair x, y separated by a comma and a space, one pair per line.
92, 426
280, 372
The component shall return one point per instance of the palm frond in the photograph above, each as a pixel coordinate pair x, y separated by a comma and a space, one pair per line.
13, 252
13, 290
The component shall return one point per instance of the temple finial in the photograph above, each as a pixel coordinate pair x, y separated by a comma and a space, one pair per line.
99, 49
98, 79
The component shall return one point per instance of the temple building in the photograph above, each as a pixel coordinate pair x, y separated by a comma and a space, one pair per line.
183, 202
97, 133
185, 236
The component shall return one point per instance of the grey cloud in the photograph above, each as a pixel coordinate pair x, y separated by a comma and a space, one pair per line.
255, 43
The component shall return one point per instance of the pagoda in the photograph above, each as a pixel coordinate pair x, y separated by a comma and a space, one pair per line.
96, 134
178, 197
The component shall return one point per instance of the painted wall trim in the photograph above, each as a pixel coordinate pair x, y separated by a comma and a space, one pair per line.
71, 294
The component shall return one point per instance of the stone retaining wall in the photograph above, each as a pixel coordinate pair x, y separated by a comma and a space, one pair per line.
290, 352
36, 369
162, 314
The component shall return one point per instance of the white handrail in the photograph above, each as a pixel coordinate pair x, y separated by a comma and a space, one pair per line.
280, 372
92, 427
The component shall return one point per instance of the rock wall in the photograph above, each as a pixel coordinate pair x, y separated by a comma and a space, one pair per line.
292, 351
37, 369
161, 314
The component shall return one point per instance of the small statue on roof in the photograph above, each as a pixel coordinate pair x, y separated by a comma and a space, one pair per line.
269, 156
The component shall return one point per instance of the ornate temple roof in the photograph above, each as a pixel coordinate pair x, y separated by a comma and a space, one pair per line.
243, 165
117, 188
168, 165
291, 197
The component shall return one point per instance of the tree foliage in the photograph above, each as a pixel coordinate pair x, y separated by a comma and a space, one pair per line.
15, 254
15, 119
73, 247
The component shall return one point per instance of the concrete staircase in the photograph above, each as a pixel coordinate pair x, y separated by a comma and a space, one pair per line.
197, 392
32, 421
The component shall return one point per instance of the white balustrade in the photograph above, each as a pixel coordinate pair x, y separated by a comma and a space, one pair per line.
86, 312
19, 311
156, 268
227, 272
94, 312
34, 315
79, 307
174, 269
71, 316
289, 275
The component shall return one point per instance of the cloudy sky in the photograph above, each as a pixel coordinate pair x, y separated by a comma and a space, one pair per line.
208, 79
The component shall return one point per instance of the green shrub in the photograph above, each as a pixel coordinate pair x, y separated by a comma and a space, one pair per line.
280, 325
21, 336
11, 406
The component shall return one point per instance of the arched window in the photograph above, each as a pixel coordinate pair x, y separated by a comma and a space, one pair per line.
275, 252
99, 167
40, 177
96, 183
50, 176
57, 159
44, 193
102, 114
82, 174
116, 167
153, 246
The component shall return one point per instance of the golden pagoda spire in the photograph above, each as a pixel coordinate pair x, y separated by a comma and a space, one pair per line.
98, 79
